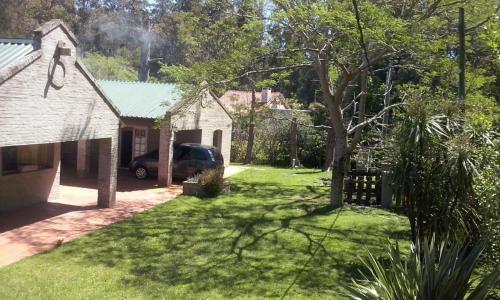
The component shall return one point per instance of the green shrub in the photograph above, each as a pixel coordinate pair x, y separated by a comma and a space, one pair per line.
212, 182
430, 271
433, 164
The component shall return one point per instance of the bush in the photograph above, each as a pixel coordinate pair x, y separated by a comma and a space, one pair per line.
272, 139
212, 182
430, 271
434, 170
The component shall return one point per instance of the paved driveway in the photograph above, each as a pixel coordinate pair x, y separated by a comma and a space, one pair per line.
39, 228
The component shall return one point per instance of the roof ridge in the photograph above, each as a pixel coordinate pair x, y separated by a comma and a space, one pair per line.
9, 40
137, 82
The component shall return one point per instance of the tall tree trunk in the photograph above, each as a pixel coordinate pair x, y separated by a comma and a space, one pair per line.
251, 129
330, 144
339, 170
294, 159
387, 100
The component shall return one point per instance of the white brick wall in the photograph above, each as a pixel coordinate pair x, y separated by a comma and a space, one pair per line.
34, 112
208, 118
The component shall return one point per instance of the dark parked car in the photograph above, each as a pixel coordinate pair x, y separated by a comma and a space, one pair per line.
188, 160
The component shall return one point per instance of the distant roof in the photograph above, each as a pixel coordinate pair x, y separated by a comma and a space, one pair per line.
12, 50
141, 99
234, 100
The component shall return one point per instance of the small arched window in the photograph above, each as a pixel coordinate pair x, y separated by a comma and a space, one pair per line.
217, 142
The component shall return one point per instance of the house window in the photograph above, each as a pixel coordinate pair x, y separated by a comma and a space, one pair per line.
140, 140
19, 159
217, 140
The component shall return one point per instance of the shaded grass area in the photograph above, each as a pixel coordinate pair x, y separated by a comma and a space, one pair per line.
248, 244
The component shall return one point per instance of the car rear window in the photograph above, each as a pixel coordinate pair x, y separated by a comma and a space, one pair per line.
198, 154
212, 155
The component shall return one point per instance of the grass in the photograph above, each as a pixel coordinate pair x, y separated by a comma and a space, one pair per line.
249, 244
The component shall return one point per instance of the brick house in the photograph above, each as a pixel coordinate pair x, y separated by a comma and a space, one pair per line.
48, 98
55, 116
143, 105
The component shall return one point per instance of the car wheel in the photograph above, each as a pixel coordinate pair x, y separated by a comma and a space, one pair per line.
141, 173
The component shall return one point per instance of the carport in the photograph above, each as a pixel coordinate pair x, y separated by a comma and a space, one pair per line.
48, 98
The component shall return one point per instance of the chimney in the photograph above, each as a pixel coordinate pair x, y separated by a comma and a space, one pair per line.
266, 95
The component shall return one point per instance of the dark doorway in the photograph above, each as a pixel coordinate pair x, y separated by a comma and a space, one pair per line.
126, 148
188, 136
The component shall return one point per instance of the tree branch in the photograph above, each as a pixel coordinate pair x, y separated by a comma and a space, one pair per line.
246, 74
374, 118
360, 29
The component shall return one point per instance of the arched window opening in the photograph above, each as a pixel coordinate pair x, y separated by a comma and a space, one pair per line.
217, 141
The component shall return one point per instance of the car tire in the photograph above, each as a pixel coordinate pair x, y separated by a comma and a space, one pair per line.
141, 173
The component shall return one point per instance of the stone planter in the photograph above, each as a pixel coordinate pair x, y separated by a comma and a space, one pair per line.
192, 188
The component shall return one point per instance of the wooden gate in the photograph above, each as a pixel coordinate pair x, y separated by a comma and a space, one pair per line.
363, 187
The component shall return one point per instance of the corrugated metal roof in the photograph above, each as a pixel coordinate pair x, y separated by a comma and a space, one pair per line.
11, 50
141, 99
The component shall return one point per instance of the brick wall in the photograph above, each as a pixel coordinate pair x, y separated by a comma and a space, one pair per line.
208, 117
34, 112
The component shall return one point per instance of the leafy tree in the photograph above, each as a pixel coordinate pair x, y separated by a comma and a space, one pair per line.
18, 18
341, 42
111, 68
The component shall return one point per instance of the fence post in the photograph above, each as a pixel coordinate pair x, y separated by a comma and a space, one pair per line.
386, 188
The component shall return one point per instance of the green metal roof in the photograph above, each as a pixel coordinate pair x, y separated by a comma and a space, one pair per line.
11, 50
141, 99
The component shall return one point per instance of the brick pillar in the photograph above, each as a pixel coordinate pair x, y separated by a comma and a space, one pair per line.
108, 159
1, 160
54, 191
83, 159
165, 153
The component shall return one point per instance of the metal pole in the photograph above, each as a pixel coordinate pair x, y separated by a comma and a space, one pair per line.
461, 56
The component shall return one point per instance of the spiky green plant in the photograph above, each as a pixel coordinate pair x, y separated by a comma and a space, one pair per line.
430, 271
433, 171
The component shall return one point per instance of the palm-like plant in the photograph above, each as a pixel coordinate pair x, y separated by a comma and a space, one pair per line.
430, 271
433, 170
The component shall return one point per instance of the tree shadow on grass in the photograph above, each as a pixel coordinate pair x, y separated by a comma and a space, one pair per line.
251, 242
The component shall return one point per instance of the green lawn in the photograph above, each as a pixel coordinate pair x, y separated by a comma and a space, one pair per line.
248, 244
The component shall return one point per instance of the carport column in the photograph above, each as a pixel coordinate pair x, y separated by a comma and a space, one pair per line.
165, 153
108, 159
56, 164
83, 159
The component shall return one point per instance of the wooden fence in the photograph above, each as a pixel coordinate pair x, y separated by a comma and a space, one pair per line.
364, 187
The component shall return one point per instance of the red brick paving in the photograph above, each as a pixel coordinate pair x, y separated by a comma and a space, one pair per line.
40, 228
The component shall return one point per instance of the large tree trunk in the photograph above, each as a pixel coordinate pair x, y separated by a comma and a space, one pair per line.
251, 129
338, 170
330, 144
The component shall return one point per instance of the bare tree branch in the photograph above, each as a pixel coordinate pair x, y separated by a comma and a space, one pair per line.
246, 74
352, 102
360, 29
374, 118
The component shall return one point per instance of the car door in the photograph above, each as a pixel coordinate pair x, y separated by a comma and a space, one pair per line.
180, 162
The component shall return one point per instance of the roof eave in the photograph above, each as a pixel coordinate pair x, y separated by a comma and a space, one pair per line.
11, 70
94, 84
